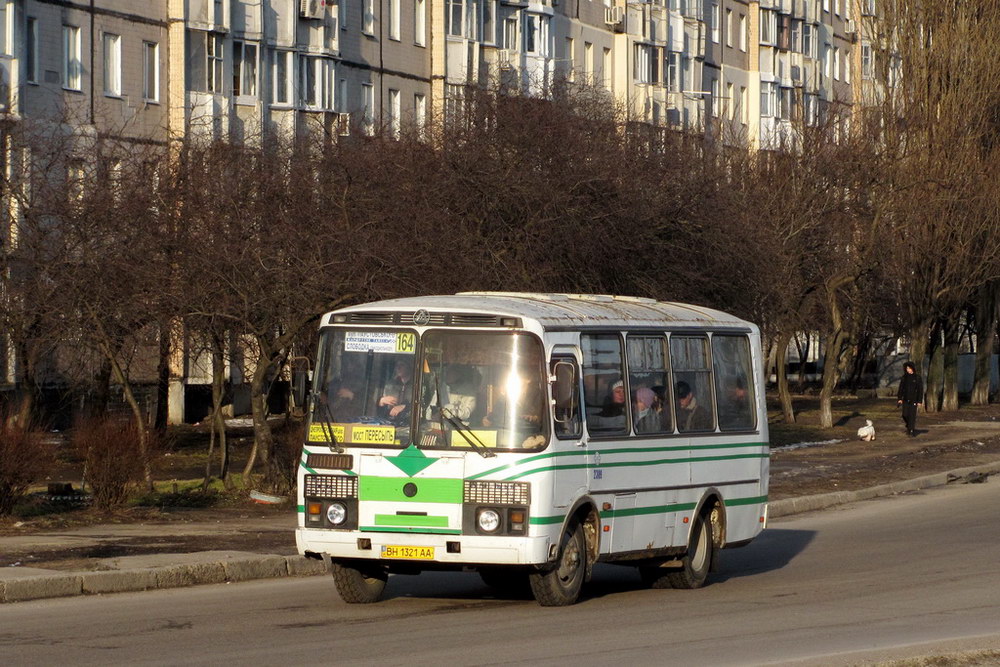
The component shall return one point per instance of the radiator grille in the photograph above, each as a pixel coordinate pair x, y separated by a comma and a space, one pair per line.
331, 486
497, 493
330, 461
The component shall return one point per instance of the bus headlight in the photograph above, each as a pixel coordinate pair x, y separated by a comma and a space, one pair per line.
488, 520
336, 513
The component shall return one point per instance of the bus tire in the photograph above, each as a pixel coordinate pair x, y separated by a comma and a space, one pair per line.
359, 585
698, 560
561, 585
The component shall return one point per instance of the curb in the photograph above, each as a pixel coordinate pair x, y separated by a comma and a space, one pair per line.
214, 570
788, 506
226, 567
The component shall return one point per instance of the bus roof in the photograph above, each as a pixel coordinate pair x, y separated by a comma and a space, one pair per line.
553, 311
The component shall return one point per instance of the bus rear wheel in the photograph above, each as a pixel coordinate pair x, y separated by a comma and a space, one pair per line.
561, 585
359, 584
698, 560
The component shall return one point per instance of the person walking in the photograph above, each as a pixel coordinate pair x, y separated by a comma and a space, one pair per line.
911, 396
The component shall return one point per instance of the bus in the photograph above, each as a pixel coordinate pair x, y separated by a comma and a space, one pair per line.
529, 436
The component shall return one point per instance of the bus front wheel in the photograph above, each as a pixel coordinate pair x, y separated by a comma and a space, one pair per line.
561, 585
359, 585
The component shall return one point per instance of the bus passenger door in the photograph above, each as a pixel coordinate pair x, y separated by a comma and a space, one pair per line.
569, 461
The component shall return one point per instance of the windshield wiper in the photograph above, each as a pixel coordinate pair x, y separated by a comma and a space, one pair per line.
467, 433
327, 427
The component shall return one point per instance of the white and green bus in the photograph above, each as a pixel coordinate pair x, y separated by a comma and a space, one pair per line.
530, 436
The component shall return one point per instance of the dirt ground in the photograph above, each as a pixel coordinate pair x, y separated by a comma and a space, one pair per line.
805, 460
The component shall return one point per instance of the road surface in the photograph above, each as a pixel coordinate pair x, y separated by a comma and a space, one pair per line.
908, 575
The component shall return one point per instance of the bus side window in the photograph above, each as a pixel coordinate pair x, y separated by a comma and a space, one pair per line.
734, 388
694, 405
566, 396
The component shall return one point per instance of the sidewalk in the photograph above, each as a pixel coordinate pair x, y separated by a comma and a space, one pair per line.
166, 568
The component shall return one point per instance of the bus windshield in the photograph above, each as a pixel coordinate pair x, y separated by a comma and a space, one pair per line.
459, 389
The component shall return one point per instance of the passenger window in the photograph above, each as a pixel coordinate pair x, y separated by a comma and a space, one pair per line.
650, 385
566, 396
692, 376
734, 388
604, 389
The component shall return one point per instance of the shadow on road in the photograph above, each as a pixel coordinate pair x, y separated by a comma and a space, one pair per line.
772, 550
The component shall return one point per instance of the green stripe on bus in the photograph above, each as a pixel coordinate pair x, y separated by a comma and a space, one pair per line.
612, 452
746, 501
409, 520
426, 489
639, 511
632, 464
389, 529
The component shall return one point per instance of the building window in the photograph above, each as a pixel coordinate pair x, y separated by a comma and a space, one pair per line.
588, 62
394, 113
453, 18
5, 41
673, 81
645, 64
31, 51
826, 5
606, 67
743, 32
570, 59
847, 65
787, 96
729, 28
150, 71
471, 22
768, 27
282, 77
768, 99
730, 102
489, 19
368, 22
420, 114
368, 115
204, 61
827, 61
744, 105
342, 13
716, 98
420, 22
836, 64
867, 61
715, 22
342, 96
112, 65
72, 70
244, 69
317, 80
394, 19
809, 40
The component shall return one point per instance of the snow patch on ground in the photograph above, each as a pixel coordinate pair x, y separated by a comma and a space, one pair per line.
804, 445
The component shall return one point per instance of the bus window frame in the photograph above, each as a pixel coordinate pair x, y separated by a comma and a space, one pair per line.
567, 358
620, 335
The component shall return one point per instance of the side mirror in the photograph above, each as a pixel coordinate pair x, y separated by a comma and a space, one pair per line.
564, 391
301, 381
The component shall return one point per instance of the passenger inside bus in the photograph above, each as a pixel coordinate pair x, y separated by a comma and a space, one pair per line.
611, 416
394, 404
461, 383
691, 415
646, 409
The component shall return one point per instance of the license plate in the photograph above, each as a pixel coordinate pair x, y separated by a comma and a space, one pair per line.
414, 553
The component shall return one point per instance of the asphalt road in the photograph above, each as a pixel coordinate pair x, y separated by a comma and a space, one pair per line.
907, 575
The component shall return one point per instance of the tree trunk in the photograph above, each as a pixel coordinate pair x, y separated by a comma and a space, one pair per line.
218, 394
986, 333
935, 372
163, 380
781, 373
919, 338
102, 391
263, 444
952, 336
834, 341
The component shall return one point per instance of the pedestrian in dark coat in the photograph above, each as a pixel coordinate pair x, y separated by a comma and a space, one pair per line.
911, 396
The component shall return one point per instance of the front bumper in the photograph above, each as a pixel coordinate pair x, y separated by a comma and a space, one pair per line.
457, 550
